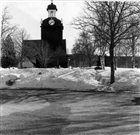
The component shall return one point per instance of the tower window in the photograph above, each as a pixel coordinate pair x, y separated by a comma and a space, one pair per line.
51, 13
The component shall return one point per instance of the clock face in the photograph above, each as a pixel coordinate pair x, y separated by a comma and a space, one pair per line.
51, 22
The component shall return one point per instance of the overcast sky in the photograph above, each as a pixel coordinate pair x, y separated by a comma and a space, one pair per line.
28, 14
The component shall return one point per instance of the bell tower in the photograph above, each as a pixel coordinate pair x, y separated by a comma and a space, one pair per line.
52, 30
52, 10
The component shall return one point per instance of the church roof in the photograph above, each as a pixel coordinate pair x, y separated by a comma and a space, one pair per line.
51, 7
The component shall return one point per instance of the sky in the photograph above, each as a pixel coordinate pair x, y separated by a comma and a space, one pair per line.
28, 14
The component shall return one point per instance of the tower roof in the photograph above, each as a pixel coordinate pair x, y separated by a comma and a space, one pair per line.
51, 7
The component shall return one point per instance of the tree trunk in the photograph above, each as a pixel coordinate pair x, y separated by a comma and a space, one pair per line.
112, 77
89, 64
21, 61
83, 61
103, 62
133, 52
21, 65
115, 62
126, 62
89, 61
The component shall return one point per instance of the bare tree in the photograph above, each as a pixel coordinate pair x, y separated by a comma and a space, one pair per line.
133, 36
38, 52
59, 56
85, 46
102, 48
129, 46
8, 58
123, 49
78, 50
19, 37
115, 16
6, 27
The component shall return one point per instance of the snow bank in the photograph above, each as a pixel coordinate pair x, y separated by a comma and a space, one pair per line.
72, 79
75, 79
127, 80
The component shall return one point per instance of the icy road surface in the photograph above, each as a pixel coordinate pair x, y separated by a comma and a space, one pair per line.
49, 112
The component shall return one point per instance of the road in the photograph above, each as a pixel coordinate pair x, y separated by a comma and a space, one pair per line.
53, 112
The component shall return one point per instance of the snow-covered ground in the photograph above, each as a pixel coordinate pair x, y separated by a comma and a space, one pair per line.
127, 79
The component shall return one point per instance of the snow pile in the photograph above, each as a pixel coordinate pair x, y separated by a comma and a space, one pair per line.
82, 75
72, 79
75, 79
127, 80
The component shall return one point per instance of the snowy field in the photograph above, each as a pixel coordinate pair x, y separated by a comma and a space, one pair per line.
127, 79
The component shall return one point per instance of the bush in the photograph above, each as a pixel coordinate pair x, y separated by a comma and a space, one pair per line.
8, 62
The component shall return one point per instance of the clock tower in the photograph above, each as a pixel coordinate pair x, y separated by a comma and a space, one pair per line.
52, 32
52, 29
